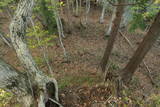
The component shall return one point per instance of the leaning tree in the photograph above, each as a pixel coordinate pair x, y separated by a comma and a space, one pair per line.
32, 87
118, 13
144, 47
147, 43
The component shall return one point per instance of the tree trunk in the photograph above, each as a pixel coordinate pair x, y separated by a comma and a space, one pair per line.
69, 18
108, 33
57, 18
104, 6
43, 88
127, 17
88, 6
15, 82
114, 31
77, 8
59, 26
148, 41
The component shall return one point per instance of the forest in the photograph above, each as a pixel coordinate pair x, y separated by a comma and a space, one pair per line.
79, 53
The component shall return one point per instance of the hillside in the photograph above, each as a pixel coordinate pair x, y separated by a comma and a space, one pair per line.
79, 77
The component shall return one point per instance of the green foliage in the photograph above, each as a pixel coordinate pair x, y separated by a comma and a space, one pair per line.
39, 61
113, 66
143, 14
44, 9
152, 11
137, 22
154, 100
135, 82
4, 97
8, 3
76, 80
4, 3
38, 37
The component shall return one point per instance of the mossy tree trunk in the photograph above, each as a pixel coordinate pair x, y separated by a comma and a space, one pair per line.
32, 87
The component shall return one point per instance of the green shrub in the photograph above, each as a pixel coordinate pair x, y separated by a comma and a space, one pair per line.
38, 37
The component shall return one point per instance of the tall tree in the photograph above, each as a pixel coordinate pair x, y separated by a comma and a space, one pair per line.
148, 41
115, 26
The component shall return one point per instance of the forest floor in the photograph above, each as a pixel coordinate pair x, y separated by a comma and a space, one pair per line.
81, 83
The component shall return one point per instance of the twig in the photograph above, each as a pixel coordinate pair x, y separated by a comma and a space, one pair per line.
130, 44
54, 101
149, 72
6, 41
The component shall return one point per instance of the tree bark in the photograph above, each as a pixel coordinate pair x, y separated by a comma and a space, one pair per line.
59, 26
104, 6
88, 6
42, 87
11, 80
77, 8
148, 41
108, 33
114, 31
127, 17
17, 34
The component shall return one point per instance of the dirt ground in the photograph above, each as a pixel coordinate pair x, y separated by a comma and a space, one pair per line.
79, 80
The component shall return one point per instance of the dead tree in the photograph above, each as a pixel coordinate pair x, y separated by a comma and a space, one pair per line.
32, 87
148, 41
114, 31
